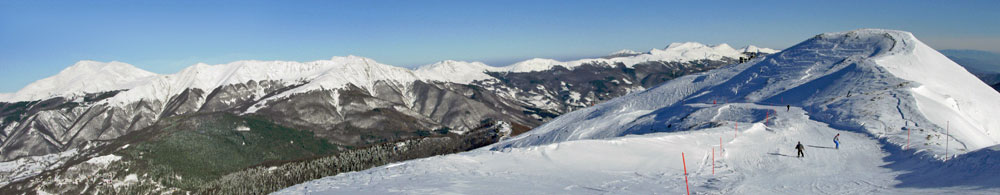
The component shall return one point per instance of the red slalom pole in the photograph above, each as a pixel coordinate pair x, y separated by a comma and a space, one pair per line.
720, 145
686, 187
713, 161
767, 117
736, 130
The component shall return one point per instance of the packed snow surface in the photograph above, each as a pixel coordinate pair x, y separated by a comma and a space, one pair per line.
883, 91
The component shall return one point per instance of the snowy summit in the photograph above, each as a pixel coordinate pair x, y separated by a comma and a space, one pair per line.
910, 121
84, 77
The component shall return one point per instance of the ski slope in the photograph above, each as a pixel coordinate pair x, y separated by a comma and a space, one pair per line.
758, 159
911, 122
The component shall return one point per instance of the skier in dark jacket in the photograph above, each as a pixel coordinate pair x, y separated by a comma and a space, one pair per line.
788, 107
836, 140
800, 148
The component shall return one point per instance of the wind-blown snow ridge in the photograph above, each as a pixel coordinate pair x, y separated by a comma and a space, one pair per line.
92, 77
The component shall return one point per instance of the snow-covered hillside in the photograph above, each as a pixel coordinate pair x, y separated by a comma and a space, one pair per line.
898, 105
878, 81
759, 160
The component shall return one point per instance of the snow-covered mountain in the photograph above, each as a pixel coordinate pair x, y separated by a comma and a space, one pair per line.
93, 77
753, 49
348, 102
910, 121
623, 53
81, 78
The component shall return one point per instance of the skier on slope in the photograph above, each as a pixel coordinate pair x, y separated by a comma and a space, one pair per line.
836, 140
800, 148
789, 107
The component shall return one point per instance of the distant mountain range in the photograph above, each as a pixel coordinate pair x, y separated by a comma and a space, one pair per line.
274, 112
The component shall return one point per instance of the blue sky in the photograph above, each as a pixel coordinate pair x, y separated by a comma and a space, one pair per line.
40, 38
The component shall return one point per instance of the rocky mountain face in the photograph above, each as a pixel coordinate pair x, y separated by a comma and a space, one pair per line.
134, 123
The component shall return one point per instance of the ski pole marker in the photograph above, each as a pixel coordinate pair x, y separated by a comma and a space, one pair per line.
684, 162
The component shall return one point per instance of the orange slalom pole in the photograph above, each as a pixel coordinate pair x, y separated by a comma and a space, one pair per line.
686, 187
767, 117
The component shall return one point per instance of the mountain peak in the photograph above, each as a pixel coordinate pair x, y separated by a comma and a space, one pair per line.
684, 45
454, 64
85, 76
722, 46
90, 66
625, 52
352, 58
455, 71
753, 48
534, 64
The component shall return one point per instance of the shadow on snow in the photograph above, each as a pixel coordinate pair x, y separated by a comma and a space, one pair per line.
976, 170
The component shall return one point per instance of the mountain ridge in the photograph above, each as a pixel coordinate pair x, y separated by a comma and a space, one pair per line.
447, 70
